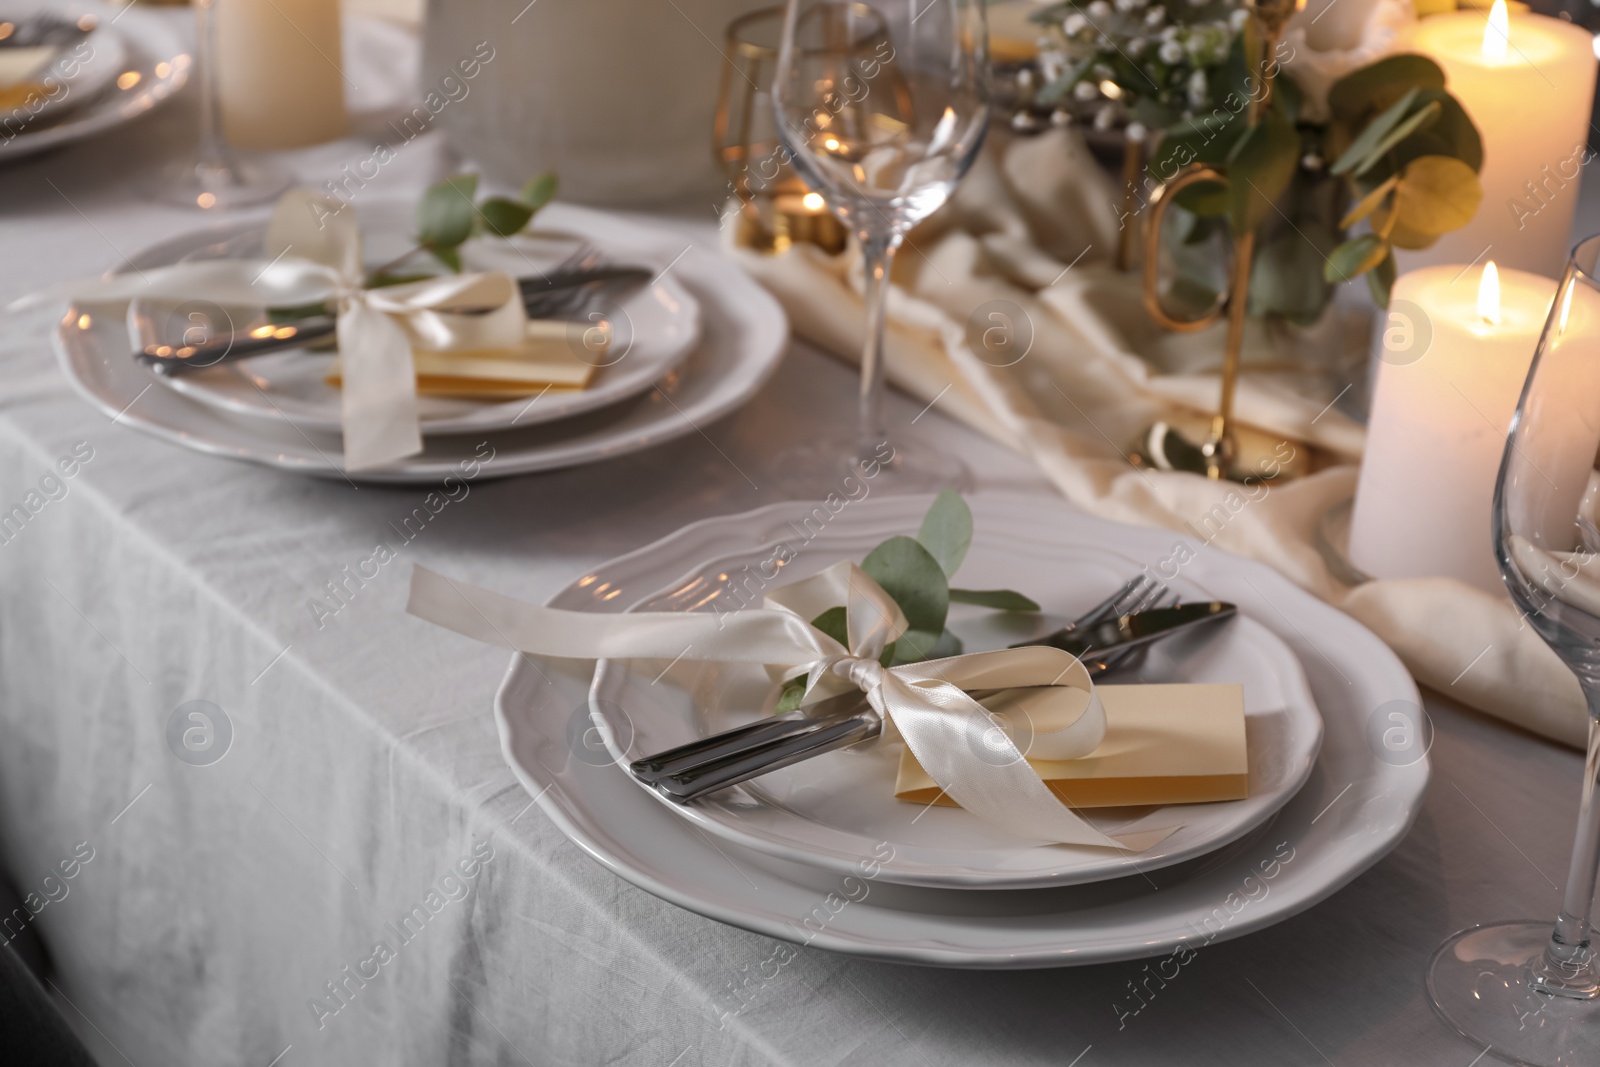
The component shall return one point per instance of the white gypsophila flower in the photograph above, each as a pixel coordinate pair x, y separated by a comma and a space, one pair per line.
1155, 17
1105, 118
1099, 10
1086, 91
1237, 19
1137, 132
1102, 71
1136, 46
1124, 6
1197, 88
1074, 24
1171, 52
1170, 33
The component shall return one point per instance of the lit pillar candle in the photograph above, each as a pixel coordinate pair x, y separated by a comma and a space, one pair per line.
1528, 85
1455, 350
280, 83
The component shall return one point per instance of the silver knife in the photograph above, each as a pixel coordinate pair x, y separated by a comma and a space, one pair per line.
711, 763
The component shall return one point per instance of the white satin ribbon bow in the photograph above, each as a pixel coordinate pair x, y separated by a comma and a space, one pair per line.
928, 703
313, 252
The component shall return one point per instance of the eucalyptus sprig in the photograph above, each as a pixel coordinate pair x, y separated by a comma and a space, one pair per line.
916, 573
450, 214
1410, 156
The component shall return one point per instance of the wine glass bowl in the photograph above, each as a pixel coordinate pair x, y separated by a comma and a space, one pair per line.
1530, 990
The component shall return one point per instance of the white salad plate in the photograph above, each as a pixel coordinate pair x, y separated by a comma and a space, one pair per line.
743, 335
134, 60
1356, 805
654, 328
831, 810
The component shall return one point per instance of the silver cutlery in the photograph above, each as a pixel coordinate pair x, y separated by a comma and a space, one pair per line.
1134, 594
713, 763
561, 294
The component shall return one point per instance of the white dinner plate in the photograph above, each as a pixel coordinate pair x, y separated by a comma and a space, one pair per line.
743, 336
139, 60
831, 810
654, 326
75, 74
1357, 804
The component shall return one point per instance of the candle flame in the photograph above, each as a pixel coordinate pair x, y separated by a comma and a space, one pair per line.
812, 202
1497, 33
1489, 295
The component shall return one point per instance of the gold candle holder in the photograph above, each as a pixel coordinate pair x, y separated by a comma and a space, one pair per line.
1163, 446
775, 208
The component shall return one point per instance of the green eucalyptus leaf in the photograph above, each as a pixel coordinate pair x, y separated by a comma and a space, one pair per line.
1373, 133
947, 531
449, 255
1452, 135
909, 573
794, 691
998, 599
1369, 203
833, 622
503, 217
915, 646
540, 191
1259, 170
1374, 87
1417, 121
446, 213
1435, 194
1380, 280
1355, 257
1286, 277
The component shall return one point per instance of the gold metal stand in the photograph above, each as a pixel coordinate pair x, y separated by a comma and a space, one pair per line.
1215, 456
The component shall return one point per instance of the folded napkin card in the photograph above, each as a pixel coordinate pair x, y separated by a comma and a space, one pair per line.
1164, 744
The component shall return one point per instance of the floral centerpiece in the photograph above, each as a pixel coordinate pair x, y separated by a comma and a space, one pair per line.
1342, 167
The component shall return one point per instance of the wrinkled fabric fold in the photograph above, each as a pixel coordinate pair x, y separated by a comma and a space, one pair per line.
970, 754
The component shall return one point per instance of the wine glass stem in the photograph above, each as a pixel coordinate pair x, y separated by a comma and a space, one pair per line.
1568, 965
214, 154
877, 254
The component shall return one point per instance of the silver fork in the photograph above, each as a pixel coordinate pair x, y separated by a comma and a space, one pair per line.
1134, 595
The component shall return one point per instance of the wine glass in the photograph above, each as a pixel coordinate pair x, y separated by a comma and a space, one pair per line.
216, 179
881, 106
1527, 990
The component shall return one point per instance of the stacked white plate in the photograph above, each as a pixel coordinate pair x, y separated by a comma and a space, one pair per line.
822, 853
689, 346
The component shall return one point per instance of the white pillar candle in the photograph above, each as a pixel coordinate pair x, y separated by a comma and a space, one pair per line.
1528, 85
280, 82
1453, 358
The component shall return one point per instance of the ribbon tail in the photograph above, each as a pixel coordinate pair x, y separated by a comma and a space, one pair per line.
747, 636
379, 403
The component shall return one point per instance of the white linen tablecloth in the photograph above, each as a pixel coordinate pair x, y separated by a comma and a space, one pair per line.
364, 766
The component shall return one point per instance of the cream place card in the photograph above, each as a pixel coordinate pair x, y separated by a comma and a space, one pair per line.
1164, 744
